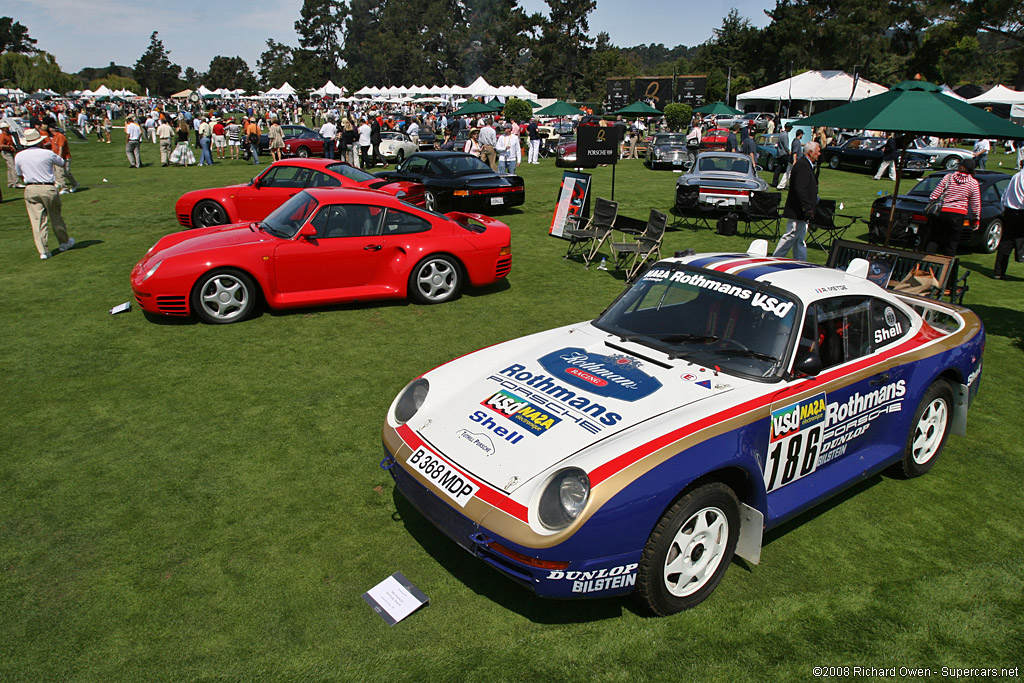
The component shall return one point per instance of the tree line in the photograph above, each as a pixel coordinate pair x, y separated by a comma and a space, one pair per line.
426, 42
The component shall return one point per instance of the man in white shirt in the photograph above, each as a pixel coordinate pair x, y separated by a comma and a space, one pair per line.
981, 149
488, 141
35, 164
328, 132
134, 140
1013, 226
364, 142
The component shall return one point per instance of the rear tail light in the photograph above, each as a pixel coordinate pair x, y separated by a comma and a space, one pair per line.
489, 190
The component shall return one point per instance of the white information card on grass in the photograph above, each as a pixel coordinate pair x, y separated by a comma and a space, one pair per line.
395, 598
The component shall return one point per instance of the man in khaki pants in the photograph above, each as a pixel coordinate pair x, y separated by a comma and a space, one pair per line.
165, 134
36, 164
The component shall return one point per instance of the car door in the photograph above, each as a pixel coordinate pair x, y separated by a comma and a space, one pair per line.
827, 434
268, 191
344, 254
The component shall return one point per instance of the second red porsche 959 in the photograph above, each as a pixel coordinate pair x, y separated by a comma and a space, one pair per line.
322, 246
718, 396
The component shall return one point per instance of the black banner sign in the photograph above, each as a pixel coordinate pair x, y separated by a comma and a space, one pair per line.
690, 89
618, 94
596, 145
656, 92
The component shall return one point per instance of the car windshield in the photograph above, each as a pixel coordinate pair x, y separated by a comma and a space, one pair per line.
739, 327
674, 139
926, 185
286, 220
723, 164
351, 172
463, 165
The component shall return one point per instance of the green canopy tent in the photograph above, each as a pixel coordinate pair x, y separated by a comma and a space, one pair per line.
496, 105
535, 105
638, 108
473, 107
717, 108
559, 108
914, 108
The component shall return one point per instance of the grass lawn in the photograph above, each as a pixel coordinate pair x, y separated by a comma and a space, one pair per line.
182, 501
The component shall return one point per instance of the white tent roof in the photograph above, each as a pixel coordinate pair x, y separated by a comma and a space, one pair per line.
999, 95
203, 91
813, 86
103, 91
946, 90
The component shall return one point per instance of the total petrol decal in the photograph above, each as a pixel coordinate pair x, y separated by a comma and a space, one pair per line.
521, 411
812, 432
615, 376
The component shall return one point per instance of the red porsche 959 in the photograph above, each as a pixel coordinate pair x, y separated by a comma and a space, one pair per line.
322, 246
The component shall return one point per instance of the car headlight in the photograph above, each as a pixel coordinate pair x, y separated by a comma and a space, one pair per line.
410, 400
149, 273
564, 498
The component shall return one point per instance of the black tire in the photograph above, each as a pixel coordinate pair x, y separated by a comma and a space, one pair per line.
950, 163
223, 296
302, 152
435, 280
992, 235
833, 162
431, 202
208, 213
928, 430
679, 539
400, 157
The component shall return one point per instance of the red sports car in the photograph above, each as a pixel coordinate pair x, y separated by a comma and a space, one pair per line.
714, 138
280, 181
320, 247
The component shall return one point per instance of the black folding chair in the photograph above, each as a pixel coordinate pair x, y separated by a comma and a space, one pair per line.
688, 208
633, 255
828, 226
762, 216
587, 240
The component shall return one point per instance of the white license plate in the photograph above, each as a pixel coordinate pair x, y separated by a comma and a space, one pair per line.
444, 477
497, 200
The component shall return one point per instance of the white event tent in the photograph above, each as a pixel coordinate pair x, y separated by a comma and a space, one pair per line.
478, 88
1000, 94
811, 87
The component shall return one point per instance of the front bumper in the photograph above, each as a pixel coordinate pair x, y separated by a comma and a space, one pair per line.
591, 578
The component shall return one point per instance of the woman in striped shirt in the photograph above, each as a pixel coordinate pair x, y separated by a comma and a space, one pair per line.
961, 201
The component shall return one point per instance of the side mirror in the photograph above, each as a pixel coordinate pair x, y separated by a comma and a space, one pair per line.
808, 364
308, 231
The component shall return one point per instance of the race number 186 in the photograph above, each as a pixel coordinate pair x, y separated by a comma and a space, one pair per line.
792, 457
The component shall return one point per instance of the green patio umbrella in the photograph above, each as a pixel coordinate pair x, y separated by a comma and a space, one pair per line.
914, 108
535, 105
473, 107
495, 105
638, 108
559, 108
717, 108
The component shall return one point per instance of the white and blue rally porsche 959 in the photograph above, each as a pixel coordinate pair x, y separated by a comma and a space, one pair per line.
718, 396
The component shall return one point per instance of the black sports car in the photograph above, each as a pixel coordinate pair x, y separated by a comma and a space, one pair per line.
910, 224
456, 181
865, 154
667, 149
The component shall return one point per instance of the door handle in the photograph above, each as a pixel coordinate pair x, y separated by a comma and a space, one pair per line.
293, 194
372, 247
880, 379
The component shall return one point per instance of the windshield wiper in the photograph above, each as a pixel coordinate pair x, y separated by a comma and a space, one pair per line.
671, 337
273, 231
749, 353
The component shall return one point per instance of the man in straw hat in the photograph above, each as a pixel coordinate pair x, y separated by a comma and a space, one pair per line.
35, 164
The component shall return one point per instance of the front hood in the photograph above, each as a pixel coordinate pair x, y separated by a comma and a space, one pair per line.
191, 241
509, 412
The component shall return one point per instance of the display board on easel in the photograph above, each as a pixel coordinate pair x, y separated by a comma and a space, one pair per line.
573, 200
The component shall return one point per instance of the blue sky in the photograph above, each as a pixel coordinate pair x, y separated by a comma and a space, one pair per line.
94, 34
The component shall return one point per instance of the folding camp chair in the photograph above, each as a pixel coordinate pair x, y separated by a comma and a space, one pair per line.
587, 240
827, 226
762, 216
633, 255
688, 208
